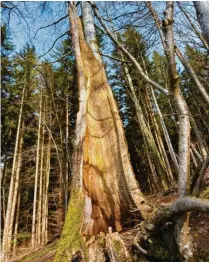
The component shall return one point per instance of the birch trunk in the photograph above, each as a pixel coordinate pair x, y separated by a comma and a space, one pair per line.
190, 71
202, 10
182, 225
194, 27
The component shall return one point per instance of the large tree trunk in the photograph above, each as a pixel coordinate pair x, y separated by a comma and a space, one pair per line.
104, 191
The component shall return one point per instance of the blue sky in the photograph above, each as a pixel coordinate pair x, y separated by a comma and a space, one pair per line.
28, 18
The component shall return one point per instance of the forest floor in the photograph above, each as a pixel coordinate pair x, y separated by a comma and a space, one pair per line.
199, 224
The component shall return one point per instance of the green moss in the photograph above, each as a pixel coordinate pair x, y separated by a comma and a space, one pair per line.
71, 241
38, 254
119, 250
101, 240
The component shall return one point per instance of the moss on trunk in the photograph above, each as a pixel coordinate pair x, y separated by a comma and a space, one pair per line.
71, 242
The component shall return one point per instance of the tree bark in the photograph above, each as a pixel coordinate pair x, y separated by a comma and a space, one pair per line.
33, 235
190, 71
192, 74
147, 134
104, 189
202, 10
194, 27
14, 183
182, 225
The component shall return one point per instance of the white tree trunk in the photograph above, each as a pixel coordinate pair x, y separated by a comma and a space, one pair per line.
202, 10
6, 240
33, 236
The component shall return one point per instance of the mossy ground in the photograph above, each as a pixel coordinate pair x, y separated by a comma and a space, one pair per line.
39, 253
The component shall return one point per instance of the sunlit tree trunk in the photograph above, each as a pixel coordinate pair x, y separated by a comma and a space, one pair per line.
33, 235
16, 225
104, 189
166, 135
192, 74
202, 10
157, 130
182, 225
66, 150
45, 217
14, 184
194, 27
41, 183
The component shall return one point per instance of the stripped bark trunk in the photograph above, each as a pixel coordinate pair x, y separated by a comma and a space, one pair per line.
45, 230
104, 189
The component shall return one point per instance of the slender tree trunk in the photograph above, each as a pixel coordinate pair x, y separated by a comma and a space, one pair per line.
194, 27
16, 185
125, 52
190, 71
182, 225
147, 134
6, 240
193, 157
16, 225
67, 151
47, 187
40, 197
158, 134
33, 235
192, 74
166, 135
202, 10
